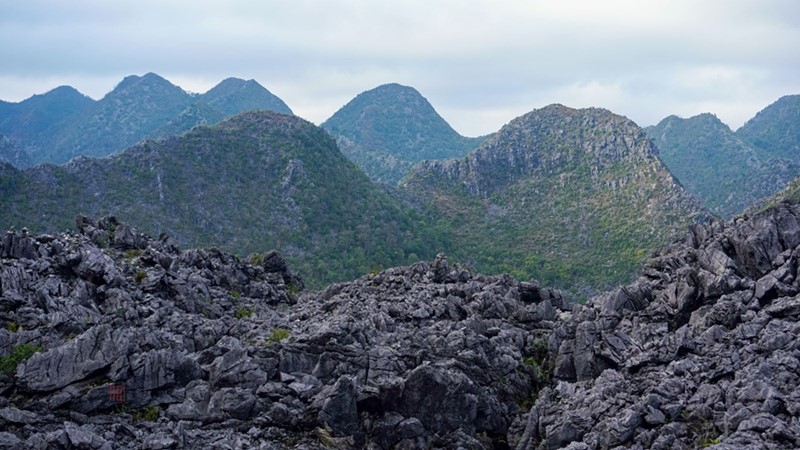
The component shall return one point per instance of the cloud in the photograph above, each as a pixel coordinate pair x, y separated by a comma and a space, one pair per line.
475, 60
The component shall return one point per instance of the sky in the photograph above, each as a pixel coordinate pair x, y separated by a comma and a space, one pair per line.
480, 63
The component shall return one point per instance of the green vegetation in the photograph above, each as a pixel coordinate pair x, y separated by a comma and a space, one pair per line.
704, 431
540, 365
256, 259
775, 130
791, 193
140, 276
242, 313
277, 335
147, 413
13, 327
293, 288
132, 253
20, 353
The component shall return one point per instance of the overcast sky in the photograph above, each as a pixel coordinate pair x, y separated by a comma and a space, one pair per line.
479, 62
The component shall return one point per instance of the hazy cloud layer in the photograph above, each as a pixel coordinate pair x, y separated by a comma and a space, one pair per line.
481, 62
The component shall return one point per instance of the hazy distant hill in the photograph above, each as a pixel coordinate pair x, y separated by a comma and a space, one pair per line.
712, 162
726, 170
776, 128
233, 95
386, 130
258, 181
575, 198
39, 123
61, 124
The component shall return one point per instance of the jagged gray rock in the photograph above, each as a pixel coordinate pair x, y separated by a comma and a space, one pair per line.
117, 340
144, 345
701, 350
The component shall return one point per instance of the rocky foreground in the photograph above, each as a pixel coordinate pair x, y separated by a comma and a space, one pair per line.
112, 339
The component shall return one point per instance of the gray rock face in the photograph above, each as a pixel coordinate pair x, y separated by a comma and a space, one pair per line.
142, 345
111, 339
82, 356
700, 350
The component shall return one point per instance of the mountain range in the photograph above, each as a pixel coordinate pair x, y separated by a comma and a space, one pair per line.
574, 197
387, 130
63, 123
114, 336
727, 170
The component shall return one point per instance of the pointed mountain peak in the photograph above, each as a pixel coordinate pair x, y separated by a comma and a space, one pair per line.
558, 119
59, 95
148, 83
705, 119
235, 95
65, 91
776, 128
394, 89
387, 112
236, 83
392, 97
389, 128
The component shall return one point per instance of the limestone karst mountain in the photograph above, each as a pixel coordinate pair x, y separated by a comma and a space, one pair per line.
233, 95
386, 130
776, 128
729, 171
257, 181
574, 198
716, 165
62, 124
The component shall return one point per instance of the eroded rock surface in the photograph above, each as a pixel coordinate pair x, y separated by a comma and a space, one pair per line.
138, 344
112, 339
702, 350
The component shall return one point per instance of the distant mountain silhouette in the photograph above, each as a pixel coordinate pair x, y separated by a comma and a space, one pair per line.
386, 130
62, 124
729, 171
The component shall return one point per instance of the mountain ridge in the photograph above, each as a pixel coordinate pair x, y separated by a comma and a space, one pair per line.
234, 95
138, 107
775, 128
715, 164
575, 198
